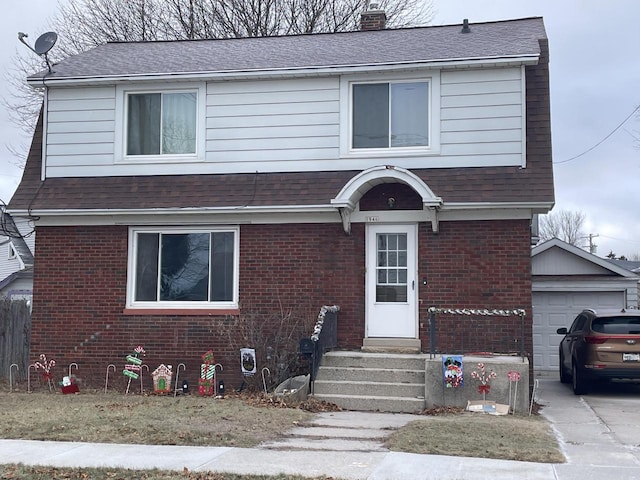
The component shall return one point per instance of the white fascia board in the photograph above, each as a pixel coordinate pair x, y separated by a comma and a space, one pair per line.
493, 205
600, 284
195, 219
266, 214
446, 207
176, 216
180, 211
324, 70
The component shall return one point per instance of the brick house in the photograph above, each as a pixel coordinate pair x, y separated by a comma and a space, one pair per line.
177, 185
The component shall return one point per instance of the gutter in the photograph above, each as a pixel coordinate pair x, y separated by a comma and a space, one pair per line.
263, 209
531, 59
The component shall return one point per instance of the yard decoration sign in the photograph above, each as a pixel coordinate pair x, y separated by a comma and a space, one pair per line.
248, 361
484, 378
69, 385
452, 371
514, 378
162, 378
46, 366
207, 375
132, 368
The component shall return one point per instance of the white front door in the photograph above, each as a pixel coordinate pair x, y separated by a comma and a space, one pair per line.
391, 281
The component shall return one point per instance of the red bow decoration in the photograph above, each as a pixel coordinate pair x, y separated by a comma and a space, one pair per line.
484, 388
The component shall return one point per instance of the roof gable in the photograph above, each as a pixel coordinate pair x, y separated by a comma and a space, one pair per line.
555, 257
9, 231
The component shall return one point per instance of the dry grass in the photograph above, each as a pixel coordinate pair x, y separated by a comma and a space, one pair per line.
240, 422
526, 439
159, 420
22, 472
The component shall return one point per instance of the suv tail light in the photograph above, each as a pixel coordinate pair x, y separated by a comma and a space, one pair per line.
595, 340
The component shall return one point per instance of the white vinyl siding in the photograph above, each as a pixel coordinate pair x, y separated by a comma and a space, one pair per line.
254, 122
295, 124
80, 128
482, 117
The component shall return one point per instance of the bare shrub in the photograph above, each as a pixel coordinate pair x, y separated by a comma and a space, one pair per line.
275, 337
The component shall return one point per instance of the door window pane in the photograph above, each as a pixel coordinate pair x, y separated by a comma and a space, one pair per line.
391, 270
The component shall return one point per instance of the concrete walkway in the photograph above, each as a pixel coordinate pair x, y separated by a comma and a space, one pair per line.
349, 445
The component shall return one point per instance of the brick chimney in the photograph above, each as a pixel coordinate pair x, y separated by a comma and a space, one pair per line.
373, 19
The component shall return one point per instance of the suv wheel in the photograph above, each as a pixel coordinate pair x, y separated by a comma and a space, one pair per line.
564, 377
578, 381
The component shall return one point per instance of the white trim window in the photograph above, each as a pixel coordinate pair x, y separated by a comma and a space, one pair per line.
183, 268
390, 115
12, 252
160, 124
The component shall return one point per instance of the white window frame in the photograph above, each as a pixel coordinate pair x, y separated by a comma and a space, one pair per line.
13, 254
163, 305
122, 92
346, 115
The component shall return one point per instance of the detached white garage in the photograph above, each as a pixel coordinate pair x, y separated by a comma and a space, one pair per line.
566, 280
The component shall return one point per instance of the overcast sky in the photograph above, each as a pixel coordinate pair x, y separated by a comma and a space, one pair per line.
595, 84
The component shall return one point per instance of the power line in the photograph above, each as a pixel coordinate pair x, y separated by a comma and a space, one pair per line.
624, 240
601, 141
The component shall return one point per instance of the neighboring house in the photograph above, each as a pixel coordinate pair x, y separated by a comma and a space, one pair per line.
631, 265
176, 185
566, 280
16, 258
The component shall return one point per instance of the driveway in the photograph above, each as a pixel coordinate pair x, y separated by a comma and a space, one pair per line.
599, 433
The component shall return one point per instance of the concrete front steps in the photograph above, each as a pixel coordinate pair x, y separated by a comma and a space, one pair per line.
385, 382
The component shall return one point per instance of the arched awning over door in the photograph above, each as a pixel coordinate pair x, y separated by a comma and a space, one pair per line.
354, 189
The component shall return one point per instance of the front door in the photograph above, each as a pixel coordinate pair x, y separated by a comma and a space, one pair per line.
391, 281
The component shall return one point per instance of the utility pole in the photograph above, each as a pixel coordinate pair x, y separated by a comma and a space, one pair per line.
593, 248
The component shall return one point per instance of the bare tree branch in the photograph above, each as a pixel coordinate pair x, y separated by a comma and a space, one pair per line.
564, 224
85, 24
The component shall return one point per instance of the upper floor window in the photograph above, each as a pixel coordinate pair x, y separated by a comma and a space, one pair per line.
158, 124
161, 123
390, 115
183, 268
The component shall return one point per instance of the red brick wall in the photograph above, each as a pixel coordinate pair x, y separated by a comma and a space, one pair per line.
80, 294
476, 265
80, 289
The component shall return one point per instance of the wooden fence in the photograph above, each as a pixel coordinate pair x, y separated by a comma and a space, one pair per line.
15, 330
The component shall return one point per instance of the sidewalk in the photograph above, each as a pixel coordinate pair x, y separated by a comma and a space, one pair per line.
348, 445
340, 465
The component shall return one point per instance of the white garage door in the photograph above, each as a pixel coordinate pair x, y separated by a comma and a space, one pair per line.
552, 310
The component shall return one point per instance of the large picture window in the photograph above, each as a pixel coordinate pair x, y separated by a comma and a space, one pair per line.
161, 123
184, 268
390, 115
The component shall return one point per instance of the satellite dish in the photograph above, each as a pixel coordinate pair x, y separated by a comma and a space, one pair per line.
45, 42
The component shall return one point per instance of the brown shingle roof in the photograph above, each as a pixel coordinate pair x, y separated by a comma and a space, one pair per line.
487, 184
